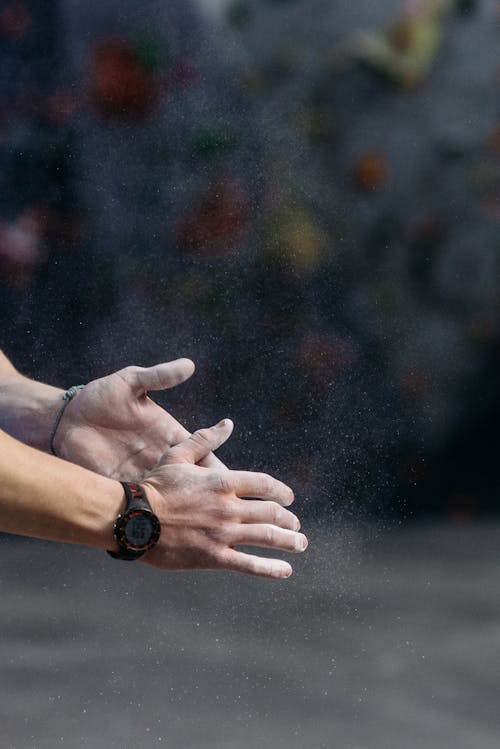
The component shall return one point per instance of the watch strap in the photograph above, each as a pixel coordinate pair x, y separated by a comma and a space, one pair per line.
135, 496
136, 499
125, 555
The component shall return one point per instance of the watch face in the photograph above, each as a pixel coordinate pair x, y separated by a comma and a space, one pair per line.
139, 530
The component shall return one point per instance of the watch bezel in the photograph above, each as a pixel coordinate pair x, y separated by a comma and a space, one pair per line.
121, 524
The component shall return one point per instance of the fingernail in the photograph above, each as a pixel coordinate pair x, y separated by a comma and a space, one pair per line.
301, 543
224, 423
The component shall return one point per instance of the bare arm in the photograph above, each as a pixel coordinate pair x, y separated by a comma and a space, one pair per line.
6, 367
27, 408
44, 497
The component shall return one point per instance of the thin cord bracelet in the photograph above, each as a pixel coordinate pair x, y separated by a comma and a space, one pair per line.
68, 395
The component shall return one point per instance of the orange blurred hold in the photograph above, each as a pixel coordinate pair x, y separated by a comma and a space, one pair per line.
371, 171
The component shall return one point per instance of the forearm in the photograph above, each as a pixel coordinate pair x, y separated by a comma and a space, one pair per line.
27, 408
48, 498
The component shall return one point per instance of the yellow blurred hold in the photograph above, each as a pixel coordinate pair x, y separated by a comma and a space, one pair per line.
296, 237
406, 51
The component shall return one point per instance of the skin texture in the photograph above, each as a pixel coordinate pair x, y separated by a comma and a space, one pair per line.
203, 511
111, 426
45, 497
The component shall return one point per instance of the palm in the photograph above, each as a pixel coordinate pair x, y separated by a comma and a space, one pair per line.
114, 428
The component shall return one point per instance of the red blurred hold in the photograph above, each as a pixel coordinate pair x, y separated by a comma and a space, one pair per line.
217, 223
20, 247
15, 21
120, 86
414, 383
61, 107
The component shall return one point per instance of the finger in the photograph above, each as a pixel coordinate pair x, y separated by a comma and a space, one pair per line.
267, 512
158, 377
181, 434
200, 444
266, 536
238, 561
212, 461
261, 486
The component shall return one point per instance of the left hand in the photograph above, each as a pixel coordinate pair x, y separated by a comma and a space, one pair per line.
114, 428
206, 513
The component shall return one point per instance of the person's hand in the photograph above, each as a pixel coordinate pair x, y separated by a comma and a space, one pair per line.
204, 513
114, 428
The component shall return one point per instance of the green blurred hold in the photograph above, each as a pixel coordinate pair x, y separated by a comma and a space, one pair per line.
210, 141
239, 13
467, 7
152, 50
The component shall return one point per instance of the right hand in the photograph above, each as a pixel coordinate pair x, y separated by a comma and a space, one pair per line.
113, 427
204, 514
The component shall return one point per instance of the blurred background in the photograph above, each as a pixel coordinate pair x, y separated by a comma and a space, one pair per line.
304, 198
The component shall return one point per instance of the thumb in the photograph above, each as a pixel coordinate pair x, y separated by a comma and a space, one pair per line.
158, 377
199, 445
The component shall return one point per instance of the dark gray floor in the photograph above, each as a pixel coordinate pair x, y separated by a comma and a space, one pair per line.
390, 642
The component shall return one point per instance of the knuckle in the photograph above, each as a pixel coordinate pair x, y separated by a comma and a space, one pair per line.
269, 535
219, 557
132, 375
251, 565
220, 535
274, 511
202, 436
258, 566
132, 371
215, 555
226, 510
289, 520
266, 483
221, 482
126, 374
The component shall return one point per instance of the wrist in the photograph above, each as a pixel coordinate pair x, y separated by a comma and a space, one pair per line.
90, 516
55, 431
136, 529
153, 495
28, 409
99, 502
102, 517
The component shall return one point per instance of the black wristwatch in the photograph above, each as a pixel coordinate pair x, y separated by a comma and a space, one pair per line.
137, 529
